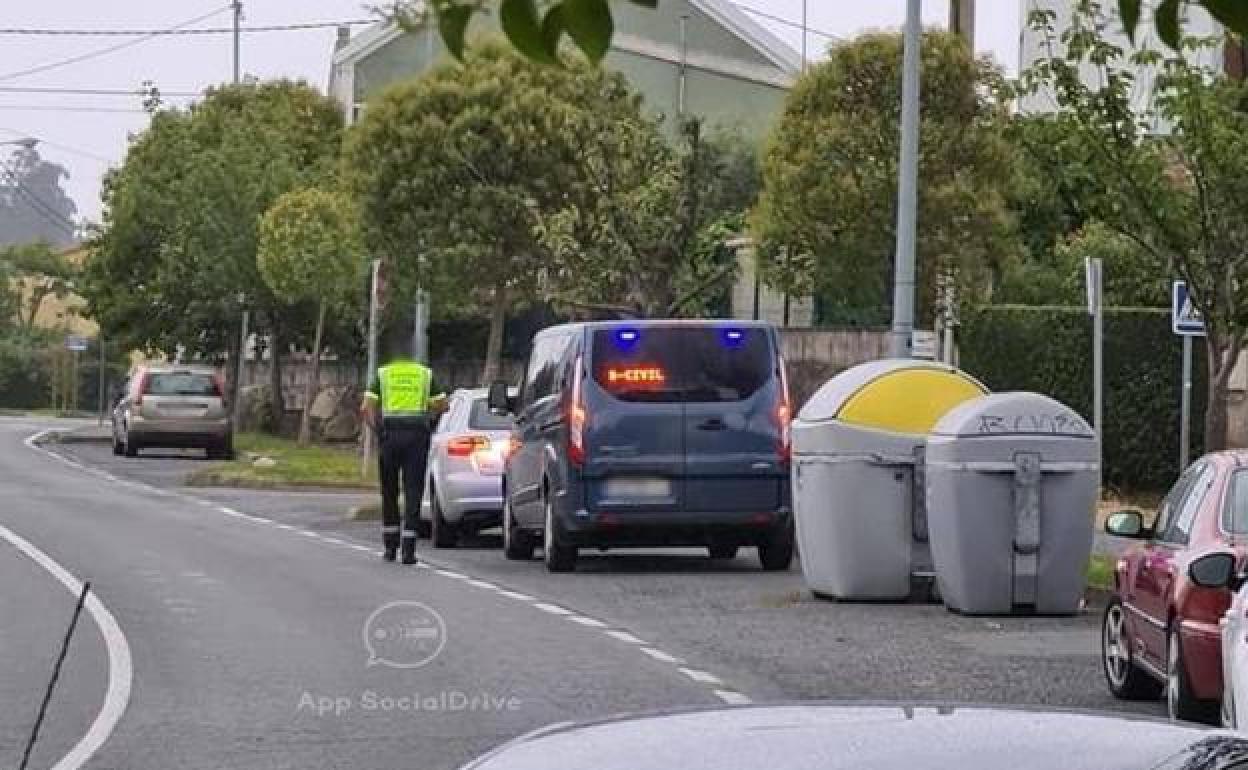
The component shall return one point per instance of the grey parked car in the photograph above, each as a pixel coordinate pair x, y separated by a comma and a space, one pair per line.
871, 737
463, 491
173, 406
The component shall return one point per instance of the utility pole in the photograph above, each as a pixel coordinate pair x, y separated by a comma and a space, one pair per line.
237, 5
907, 188
804, 28
962, 21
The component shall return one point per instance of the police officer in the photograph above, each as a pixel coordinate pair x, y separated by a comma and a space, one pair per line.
401, 406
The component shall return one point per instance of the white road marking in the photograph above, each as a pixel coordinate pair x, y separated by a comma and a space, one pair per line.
584, 621
450, 574
283, 526
306, 533
516, 595
120, 669
660, 655
625, 637
733, 698
480, 583
701, 676
363, 548
333, 540
553, 609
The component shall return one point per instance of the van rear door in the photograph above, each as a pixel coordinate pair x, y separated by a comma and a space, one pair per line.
732, 421
635, 453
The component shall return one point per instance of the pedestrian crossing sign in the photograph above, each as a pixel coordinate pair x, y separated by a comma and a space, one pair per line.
1185, 319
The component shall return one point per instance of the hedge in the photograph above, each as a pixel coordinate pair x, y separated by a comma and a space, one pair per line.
1049, 350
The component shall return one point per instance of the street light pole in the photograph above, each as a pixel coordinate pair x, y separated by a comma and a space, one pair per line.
907, 188
237, 5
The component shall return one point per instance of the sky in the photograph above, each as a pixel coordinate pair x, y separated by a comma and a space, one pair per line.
88, 133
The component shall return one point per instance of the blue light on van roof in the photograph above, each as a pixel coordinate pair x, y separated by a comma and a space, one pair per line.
626, 338
732, 338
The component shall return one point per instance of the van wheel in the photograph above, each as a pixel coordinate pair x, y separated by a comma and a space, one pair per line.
118, 448
445, 534
518, 545
722, 551
131, 449
776, 552
1126, 680
558, 557
1180, 702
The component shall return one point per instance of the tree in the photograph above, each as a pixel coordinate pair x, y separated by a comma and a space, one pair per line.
454, 172
34, 272
33, 205
826, 218
646, 237
1179, 197
309, 251
175, 261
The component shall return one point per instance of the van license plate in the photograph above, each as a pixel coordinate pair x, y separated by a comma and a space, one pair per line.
638, 488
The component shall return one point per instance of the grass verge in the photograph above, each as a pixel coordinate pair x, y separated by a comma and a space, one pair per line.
294, 466
1101, 571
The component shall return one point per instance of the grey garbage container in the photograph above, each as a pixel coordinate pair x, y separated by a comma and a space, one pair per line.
1011, 488
856, 445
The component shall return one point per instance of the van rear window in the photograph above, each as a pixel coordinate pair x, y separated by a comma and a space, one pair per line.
681, 364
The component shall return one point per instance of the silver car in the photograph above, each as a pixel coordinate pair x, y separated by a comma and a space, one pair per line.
173, 406
463, 488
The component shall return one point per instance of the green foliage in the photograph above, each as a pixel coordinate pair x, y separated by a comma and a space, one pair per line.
649, 234
1168, 16
178, 245
25, 371
309, 248
1178, 196
830, 175
1048, 350
535, 30
30, 273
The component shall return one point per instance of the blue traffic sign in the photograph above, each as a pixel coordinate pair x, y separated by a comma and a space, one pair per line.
1185, 319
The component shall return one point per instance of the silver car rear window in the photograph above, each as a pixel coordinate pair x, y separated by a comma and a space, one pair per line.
480, 418
181, 384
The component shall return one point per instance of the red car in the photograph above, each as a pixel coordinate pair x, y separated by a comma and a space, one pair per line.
1160, 631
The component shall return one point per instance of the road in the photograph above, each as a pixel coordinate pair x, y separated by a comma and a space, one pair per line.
245, 610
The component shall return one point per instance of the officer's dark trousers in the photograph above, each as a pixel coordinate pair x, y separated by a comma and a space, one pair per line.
404, 452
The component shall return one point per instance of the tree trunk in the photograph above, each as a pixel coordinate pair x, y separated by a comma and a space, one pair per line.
1221, 364
314, 381
277, 404
494, 347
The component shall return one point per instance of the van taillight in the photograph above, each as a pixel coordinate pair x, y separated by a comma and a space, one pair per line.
784, 417
577, 417
218, 383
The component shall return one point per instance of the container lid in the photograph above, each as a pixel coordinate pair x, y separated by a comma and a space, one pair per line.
1013, 414
898, 395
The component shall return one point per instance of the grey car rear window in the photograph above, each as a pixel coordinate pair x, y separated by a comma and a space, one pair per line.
1235, 518
181, 384
480, 418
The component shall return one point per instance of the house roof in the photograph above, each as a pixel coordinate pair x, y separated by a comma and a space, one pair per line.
722, 12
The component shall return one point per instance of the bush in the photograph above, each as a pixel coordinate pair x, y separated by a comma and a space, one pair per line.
24, 374
1049, 350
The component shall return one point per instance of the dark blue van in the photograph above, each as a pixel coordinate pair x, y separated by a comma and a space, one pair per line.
649, 433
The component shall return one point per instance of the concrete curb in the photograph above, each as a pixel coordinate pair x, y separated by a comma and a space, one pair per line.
74, 437
208, 479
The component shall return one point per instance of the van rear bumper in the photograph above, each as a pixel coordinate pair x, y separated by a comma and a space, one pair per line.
671, 528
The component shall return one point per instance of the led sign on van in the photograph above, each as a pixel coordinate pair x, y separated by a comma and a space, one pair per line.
635, 376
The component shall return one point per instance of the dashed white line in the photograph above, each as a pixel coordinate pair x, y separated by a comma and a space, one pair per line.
515, 595
451, 574
625, 637
704, 677
553, 609
733, 698
283, 526
359, 547
480, 584
660, 655
333, 540
584, 621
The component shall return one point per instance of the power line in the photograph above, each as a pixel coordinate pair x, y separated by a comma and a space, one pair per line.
93, 91
786, 22
109, 49
53, 32
67, 108
58, 146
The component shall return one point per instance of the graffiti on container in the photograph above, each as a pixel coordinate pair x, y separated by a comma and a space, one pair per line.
1063, 423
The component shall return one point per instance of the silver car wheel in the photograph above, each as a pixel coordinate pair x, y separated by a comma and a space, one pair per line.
1117, 657
548, 528
1172, 677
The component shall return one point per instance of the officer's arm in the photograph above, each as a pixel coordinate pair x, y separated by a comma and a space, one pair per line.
437, 402
368, 408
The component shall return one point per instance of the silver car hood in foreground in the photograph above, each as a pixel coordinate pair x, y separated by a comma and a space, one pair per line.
871, 737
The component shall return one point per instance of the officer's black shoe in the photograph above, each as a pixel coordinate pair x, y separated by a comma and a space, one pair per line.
389, 554
409, 553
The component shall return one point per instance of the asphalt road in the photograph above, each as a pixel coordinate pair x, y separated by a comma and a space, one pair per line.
240, 640
761, 634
